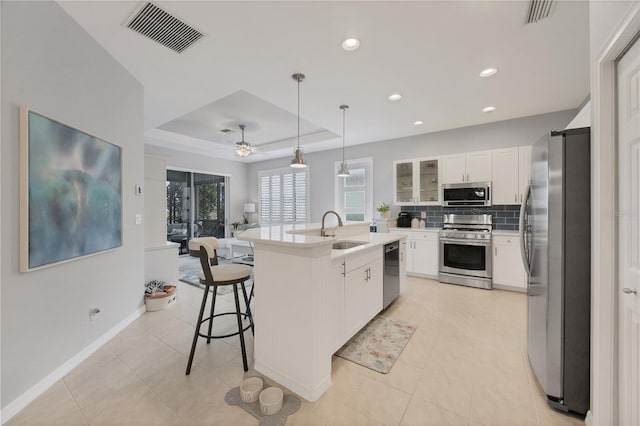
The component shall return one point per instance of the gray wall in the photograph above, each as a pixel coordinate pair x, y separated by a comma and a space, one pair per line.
503, 134
236, 170
50, 64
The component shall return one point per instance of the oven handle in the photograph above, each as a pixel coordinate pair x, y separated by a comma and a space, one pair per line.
467, 242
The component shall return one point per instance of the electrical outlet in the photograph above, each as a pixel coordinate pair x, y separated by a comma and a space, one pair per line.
93, 312
423, 215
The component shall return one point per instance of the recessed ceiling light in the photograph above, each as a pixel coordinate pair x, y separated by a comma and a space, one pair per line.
418, 123
351, 44
488, 72
395, 97
489, 109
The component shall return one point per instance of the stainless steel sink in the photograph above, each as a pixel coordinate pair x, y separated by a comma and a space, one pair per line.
343, 245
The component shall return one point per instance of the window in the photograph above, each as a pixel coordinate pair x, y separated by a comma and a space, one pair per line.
284, 196
354, 193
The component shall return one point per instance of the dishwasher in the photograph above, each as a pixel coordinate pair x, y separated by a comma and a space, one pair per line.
391, 275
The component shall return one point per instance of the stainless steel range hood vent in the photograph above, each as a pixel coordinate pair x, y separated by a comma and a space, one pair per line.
164, 28
539, 9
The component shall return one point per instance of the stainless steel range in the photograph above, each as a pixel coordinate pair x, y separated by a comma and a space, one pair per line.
465, 250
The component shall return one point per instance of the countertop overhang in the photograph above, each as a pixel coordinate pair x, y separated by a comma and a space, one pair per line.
308, 236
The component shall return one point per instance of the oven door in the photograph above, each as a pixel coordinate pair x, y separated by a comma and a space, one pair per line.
465, 257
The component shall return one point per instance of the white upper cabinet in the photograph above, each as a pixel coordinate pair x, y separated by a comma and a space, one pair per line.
417, 182
510, 174
454, 168
403, 182
505, 176
524, 171
478, 166
469, 167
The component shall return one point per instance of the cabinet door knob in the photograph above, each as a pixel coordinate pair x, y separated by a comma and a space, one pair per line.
516, 198
467, 177
495, 249
463, 177
629, 291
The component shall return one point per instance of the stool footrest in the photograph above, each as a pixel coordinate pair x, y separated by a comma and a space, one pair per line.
213, 336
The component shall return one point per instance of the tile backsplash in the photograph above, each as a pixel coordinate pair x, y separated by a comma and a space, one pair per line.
504, 217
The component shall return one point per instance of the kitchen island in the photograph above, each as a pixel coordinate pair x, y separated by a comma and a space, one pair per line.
310, 298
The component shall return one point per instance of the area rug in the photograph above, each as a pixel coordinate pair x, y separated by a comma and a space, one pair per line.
189, 269
290, 404
379, 344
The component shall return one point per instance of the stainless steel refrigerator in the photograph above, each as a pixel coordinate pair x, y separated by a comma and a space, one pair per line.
555, 237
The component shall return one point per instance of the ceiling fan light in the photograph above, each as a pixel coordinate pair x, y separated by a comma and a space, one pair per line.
344, 170
243, 149
298, 161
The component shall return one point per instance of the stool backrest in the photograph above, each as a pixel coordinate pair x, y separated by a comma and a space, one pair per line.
204, 262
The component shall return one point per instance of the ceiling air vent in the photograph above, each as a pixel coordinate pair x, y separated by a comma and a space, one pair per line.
226, 131
538, 9
164, 28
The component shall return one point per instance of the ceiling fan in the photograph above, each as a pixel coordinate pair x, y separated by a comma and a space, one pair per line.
243, 148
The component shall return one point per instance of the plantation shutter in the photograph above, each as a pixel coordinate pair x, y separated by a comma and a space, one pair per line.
283, 196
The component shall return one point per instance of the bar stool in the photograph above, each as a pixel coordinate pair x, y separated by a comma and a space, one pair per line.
214, 276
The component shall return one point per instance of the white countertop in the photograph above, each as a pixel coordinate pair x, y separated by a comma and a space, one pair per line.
308, 235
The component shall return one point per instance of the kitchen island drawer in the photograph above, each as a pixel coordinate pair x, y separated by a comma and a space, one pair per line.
356, 260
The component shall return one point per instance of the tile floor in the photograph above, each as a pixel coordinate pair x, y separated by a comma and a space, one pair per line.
465, 365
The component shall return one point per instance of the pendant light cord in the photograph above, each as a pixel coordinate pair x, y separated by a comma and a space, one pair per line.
298, 112
344, 111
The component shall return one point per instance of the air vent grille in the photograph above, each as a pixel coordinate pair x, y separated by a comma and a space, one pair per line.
164, 28
538, 9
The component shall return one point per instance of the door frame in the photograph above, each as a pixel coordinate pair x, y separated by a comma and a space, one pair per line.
604, 364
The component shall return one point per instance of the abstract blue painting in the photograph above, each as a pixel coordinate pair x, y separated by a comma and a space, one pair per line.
71, 192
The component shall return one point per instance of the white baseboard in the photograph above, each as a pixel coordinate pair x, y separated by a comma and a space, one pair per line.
15, 406
310, 394
588, 420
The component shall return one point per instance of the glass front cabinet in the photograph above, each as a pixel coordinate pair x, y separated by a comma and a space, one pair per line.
416, 182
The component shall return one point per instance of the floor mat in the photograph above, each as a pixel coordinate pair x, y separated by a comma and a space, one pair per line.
379, 344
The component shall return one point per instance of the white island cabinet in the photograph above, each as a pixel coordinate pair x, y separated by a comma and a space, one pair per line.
310, 299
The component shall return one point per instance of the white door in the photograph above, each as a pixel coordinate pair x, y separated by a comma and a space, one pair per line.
478, 166
628, 214
504, 181
524, 170
453, 168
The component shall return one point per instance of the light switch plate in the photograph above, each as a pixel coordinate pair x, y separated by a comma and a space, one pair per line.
138, 219
423, 215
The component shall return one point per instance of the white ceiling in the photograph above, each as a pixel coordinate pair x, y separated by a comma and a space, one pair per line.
431, 52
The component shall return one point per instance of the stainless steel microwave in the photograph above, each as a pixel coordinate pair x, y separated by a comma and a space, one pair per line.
476, 194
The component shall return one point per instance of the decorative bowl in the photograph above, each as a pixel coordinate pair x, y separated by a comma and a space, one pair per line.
271, 400
250, 389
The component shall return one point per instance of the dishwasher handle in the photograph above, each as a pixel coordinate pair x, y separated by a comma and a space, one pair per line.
391, 247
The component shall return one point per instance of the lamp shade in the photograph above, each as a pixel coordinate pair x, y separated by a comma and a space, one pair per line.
249, 207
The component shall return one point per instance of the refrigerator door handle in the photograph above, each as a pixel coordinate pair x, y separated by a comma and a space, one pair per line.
523, 244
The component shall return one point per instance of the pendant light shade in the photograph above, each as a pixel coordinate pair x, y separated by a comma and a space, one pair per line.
344, 170
243, 148
298, 161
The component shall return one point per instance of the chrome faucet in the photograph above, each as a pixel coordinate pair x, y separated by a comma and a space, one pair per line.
322, 231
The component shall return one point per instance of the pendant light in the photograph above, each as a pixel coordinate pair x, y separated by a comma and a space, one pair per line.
344, 170
243, 148
297, 161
